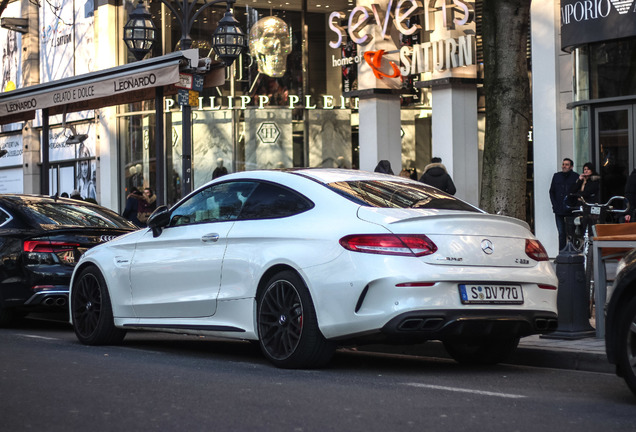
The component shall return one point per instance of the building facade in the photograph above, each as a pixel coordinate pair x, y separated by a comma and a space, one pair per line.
340, 84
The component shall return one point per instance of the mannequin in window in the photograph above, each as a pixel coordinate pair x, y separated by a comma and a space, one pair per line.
220, 170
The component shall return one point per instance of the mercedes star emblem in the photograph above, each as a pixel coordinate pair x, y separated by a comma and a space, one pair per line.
486, 246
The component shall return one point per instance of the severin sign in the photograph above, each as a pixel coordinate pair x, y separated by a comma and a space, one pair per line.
450, 23
589, 21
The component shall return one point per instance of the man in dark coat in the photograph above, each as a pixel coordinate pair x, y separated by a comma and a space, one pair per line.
132, 206
630, 194
561, 186
435, 174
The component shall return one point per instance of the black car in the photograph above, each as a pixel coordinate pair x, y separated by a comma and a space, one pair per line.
41, 239
620, 321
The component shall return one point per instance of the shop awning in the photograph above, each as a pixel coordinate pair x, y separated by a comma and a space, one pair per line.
119, 85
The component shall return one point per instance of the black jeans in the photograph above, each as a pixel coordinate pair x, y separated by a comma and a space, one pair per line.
565, 227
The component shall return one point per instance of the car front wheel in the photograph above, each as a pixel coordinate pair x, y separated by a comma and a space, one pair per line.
481, 352
626, 348
287, 324
92, 311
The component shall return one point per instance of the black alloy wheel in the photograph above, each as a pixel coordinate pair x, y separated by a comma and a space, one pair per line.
626, 341
287, 324
92, 311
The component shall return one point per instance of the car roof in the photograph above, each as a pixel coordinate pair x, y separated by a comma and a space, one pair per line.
320, 175
24, 198
332, 175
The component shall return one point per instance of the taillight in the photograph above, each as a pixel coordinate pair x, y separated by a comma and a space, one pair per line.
389, 244
547, 287
535, 250
45, 246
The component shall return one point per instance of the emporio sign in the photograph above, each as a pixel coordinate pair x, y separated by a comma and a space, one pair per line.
440, 54
589, 21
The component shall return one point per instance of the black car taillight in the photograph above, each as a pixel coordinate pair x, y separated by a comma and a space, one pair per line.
389, 244
38, 252
46, 246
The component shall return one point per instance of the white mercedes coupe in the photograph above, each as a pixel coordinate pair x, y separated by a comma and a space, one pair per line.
306, 260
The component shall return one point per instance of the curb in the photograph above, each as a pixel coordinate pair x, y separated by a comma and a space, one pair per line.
556, 358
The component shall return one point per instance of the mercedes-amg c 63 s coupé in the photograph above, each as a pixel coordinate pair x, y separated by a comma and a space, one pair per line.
306, 260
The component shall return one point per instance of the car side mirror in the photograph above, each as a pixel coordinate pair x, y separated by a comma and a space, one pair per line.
159, 219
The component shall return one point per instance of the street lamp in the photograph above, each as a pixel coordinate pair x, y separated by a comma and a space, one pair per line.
228, 42
228, 39
139, 32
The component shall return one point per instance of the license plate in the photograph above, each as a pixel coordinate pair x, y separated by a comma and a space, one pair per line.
490, 294
595, 210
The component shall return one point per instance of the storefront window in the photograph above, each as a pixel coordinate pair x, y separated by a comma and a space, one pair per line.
612, 69
581, 136
73, 168
284, 102
137, 151
581, 81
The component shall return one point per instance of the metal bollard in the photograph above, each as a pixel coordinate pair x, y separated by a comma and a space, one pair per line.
572, 300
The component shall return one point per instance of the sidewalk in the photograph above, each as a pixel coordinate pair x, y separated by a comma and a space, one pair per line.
587, 354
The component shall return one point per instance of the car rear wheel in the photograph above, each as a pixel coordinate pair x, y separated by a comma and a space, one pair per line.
626, 348
92, 310
287, 325
481, 352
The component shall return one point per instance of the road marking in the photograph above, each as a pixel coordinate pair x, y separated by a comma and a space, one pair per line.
37, 337
462, 390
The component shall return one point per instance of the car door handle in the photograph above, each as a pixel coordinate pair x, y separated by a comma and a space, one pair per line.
210, 238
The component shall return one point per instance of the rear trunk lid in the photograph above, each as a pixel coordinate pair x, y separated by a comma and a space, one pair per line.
462, 238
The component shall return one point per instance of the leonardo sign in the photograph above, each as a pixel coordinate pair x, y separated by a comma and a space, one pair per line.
89, 89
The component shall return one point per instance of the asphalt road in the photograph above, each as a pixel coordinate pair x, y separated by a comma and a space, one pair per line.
160, 382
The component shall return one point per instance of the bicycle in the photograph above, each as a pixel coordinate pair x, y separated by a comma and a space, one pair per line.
592, 214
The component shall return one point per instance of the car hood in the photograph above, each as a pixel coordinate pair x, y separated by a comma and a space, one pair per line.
462, 238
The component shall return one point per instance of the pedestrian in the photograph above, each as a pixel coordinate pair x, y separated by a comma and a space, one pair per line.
76, 195
384, 166
220, 170
630, 194
132, 206
587, 186
435, 175
560, 187
147, 204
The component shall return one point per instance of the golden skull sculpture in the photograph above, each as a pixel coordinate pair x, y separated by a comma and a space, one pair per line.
270, 44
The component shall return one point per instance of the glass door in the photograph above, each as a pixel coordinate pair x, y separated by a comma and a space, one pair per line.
615, 142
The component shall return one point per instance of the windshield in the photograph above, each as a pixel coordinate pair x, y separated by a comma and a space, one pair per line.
75, 215
396, 194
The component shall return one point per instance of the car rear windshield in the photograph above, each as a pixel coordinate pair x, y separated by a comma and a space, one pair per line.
73, 215
395, 194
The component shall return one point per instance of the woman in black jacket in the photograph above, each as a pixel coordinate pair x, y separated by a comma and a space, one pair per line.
588, 184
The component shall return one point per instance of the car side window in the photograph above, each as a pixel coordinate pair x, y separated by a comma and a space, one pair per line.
270, 201
4, 217
218, 202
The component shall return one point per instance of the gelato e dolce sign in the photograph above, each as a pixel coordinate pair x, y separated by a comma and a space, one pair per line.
449, 22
